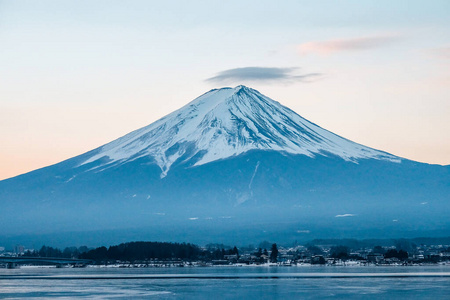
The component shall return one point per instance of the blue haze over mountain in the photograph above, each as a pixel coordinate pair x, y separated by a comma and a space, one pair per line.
231, 166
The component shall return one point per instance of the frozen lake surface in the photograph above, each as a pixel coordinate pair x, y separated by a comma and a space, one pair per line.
309, 282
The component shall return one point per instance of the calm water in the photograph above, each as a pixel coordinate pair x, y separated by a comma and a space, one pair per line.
312, 282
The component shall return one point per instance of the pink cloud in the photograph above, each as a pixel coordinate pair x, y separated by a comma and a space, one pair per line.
338, 45
443, 53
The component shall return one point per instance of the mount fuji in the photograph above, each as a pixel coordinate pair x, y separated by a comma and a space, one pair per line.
231, 166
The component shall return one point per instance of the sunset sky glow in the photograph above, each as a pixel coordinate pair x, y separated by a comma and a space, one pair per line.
77, 74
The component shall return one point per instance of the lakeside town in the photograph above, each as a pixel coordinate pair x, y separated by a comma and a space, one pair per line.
158, 254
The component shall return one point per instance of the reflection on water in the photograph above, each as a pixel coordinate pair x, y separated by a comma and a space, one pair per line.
228, 283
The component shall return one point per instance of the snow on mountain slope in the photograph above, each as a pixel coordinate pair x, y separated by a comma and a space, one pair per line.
227, 122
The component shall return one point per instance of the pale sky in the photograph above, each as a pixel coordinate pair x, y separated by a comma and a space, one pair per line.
77, 74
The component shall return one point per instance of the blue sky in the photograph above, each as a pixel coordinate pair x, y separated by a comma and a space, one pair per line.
77, 74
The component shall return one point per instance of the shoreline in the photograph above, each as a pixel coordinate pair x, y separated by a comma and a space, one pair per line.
200, 266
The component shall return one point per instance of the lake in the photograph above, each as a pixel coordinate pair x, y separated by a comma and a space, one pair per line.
259, 282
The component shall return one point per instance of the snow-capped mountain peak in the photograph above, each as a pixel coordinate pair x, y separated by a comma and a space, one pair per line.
227, 122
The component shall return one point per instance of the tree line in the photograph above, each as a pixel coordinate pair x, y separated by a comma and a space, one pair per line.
138, 251
68, 252
145, 250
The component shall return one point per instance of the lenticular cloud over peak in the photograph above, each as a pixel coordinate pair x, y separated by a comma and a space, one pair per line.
262, 74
